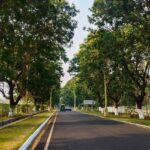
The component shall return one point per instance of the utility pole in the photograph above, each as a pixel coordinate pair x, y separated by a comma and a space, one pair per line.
105, 95
74, 95
50, 99
26, 71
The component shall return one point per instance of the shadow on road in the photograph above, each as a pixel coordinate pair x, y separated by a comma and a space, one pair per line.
122, 142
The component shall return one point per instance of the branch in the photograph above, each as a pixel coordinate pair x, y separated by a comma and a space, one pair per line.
129, 72
18, 75
3, 93
147, 67
4, 80
114, 98
18, 99
2, 2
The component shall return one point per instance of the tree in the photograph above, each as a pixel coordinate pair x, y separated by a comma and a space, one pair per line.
129, 20
29, 30
67, 92
74, 65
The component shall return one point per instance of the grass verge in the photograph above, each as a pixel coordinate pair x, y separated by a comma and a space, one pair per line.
4, 118
12, 137
120, 118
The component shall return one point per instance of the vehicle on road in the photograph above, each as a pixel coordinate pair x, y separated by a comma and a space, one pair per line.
64, 108
68, 108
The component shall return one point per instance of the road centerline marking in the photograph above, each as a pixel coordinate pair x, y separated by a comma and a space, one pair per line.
50, 134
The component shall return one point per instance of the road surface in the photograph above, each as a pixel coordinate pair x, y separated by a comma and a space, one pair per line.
76, 131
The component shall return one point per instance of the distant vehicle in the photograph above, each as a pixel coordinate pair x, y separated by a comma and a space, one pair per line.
68, 108
62, 108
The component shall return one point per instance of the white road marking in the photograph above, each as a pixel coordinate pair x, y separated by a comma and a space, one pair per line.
50, 134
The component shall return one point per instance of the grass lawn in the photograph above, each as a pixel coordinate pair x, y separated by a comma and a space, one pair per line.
120, 117
12, 137
4, 118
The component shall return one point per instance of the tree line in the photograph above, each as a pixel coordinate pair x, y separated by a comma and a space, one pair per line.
33, 37
116, 50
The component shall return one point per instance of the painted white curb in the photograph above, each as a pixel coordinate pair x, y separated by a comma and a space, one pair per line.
135, 124
9, 124
28, 142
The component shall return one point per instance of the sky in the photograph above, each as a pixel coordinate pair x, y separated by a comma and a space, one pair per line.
83, 6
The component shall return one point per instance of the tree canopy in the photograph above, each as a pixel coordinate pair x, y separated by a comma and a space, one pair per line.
33, 37
118, 48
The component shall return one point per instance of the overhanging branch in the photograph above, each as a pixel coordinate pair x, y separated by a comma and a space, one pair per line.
3, 93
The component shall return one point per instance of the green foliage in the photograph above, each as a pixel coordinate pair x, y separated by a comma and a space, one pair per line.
4, 108
33, 35
118, 48
81, 91
74, 66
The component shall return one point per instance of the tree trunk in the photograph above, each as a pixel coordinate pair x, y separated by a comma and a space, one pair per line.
35, 106
41, 106
116, 107
11, 110
13, 103
139, 100
139, 104
100, 101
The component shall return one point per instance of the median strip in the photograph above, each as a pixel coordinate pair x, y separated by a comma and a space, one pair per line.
13, 136
29, 141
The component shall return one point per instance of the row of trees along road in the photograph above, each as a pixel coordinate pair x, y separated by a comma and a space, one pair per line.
33, 35
118, 48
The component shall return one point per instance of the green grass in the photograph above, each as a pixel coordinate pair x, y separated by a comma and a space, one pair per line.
135, 120
120, 118
4, 108
20, 110
3, 118
12, 137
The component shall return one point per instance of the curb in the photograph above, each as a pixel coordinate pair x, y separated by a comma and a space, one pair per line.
29, 141
130, 123
16, 120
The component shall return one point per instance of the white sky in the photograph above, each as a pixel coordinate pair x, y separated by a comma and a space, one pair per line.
83, 6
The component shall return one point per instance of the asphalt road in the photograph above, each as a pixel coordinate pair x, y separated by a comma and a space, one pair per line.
76, 131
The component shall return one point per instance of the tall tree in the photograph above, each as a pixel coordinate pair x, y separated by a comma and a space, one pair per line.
29, 29
129, 20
